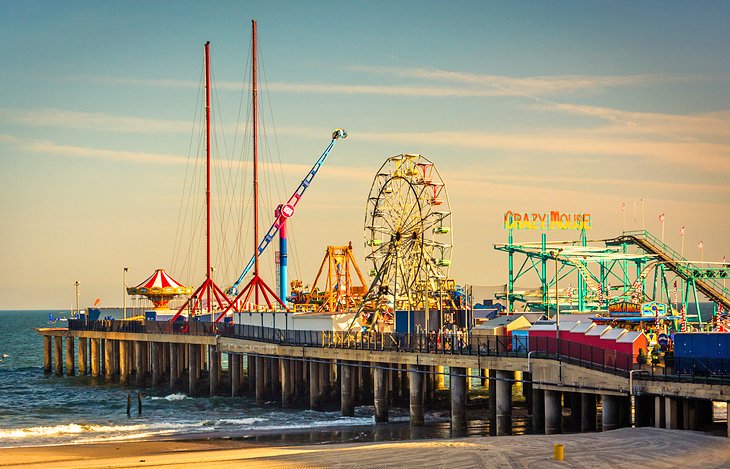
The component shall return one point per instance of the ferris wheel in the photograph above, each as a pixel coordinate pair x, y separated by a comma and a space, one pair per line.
408, 233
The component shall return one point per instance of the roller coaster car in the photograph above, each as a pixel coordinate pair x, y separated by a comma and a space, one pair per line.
339, 133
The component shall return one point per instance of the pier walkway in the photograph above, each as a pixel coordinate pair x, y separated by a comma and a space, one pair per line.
319, 368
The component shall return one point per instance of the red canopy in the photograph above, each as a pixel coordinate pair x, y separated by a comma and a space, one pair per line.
160, 283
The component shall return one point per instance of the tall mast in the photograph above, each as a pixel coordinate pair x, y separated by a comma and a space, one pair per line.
207, 169
254, 91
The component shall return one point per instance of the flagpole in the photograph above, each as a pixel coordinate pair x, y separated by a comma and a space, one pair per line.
643, 222
681, 233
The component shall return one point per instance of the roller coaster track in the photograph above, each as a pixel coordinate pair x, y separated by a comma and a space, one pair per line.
703, 277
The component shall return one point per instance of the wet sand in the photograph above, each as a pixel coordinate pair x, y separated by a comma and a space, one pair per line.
641, 447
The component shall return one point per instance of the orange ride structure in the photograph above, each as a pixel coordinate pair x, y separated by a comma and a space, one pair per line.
341, 291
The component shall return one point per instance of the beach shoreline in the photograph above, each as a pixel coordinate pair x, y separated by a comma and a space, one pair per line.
650, 447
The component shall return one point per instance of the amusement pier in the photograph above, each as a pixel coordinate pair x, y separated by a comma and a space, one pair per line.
613, 333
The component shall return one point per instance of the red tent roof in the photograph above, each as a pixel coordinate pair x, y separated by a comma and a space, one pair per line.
160, 283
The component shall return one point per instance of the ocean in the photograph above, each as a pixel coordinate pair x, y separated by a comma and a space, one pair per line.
38, 409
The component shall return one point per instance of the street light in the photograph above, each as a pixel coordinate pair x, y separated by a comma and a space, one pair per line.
124, 291
76, 284
555, 256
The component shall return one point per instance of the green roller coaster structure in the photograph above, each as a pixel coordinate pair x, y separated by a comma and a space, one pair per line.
612, 270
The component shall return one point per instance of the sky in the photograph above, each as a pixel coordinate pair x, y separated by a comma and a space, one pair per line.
576, 106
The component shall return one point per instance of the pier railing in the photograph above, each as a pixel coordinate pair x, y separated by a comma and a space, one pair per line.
704, 370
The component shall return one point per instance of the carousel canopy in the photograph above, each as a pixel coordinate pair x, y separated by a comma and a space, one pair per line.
160, 283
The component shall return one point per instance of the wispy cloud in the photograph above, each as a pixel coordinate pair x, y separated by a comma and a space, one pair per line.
688, 127
49, 117
140, 157
530, 86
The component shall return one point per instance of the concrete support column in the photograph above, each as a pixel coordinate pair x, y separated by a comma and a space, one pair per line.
266, 367
458, 399
124, 363
504, 402
83, 356
611, 412
380, 388
671, 413
703, 414
576, 410
156, 353
174, 365
527, 391
69, 356
588, 412
275, 368
492, 374
260, 381
624, 416
193, 367
287, 382
47, 353
415, 382
214, 370
643, 410
314, 392
553, 413
251, 373
299, 379
347, 392
538, 411
234, 371
325, 375
139, 358
95, 346
109, 365
659, 420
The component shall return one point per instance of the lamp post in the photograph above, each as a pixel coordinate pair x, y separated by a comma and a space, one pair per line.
124, 291
555, 255
76, 284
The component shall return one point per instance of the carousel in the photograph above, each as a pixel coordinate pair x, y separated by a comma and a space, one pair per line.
160, 289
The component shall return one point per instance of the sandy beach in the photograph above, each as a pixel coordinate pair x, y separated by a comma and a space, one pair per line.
642, 447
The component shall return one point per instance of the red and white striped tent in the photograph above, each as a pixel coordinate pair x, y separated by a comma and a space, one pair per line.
160, 288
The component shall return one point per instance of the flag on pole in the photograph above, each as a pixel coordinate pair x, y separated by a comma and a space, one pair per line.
623, 206
700, 245
681, 231
570, 292
661, 218
676, 299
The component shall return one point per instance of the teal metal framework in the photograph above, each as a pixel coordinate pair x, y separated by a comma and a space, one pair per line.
609, 271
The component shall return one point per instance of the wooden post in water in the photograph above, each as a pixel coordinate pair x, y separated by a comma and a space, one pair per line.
234, 372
